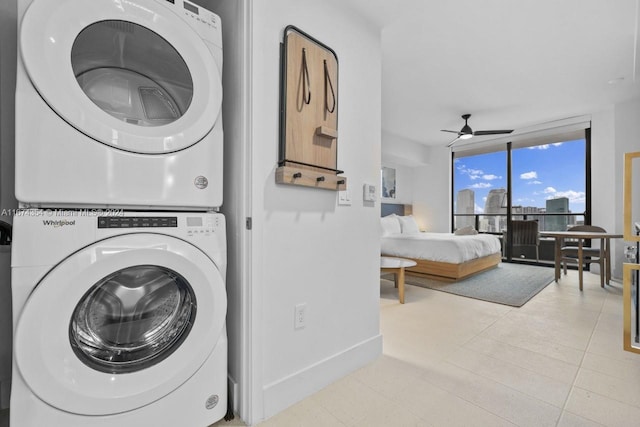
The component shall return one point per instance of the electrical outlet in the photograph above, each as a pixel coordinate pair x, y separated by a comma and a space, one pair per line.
300, 319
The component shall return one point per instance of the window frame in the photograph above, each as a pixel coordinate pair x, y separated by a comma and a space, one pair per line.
505, 144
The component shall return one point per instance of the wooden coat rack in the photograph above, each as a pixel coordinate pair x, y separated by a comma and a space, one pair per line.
308, 113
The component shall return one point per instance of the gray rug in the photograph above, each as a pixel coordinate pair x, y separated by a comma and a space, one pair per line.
508, 284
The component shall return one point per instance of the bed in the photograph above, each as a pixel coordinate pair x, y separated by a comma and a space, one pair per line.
443, 256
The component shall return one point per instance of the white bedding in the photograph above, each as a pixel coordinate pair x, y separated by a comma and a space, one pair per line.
441, 247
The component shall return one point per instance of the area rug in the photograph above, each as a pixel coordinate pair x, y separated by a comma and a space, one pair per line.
508, 284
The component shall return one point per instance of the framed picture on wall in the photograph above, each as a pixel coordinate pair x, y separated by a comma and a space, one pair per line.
388, 187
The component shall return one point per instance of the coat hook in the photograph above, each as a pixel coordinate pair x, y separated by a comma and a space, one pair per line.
320, 178
341, 182
297, 175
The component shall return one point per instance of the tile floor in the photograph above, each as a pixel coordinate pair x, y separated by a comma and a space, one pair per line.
453, 361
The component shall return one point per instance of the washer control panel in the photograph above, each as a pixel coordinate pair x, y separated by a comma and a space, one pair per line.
138, 222
202, 225
184, 225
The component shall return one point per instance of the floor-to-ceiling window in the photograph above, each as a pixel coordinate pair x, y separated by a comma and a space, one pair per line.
480, 187
550, 179
545, 179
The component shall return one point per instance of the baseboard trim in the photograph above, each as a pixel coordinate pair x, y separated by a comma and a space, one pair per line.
283, 393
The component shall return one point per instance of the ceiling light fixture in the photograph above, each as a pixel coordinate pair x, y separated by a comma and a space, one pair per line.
466, 136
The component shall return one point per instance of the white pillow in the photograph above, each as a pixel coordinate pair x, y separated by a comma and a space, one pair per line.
390, 225
465, 231
408, 225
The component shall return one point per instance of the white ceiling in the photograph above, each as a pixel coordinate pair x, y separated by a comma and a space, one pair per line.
510, 63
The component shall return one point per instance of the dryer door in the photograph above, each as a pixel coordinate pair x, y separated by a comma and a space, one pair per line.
133, 75
120, 324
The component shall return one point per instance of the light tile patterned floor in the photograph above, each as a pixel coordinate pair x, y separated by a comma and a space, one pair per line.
453, 361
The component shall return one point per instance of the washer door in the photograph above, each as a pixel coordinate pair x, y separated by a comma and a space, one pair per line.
132, 75
120, 324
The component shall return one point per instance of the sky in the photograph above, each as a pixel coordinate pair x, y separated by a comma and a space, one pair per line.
539, 173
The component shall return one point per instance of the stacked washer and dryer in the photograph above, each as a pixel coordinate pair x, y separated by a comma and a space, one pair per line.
119, 254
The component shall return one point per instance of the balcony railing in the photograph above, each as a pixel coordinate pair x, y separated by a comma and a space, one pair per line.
497, 224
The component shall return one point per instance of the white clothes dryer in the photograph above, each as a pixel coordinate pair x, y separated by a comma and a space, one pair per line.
118, 320
118, 103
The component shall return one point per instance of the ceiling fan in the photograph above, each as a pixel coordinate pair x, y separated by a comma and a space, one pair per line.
466, 132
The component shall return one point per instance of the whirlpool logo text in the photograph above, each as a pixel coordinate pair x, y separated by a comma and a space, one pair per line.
58, 223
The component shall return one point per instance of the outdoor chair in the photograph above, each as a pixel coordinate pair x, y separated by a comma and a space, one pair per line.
590, 255
525, 233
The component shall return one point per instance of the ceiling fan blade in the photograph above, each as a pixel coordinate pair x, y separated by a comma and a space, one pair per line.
492, 132
452, 131
452, 142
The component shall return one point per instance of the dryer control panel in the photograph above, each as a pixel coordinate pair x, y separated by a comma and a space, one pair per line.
205, 22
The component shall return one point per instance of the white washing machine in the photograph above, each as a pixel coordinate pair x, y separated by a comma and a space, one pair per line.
118, 103
118, 320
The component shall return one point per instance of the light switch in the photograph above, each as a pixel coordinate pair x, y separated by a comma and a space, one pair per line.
344, 198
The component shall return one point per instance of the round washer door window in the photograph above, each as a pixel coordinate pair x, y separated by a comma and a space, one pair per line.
132, 319
114, 326
132, 75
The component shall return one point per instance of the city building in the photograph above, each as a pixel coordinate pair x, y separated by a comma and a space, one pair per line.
557, 222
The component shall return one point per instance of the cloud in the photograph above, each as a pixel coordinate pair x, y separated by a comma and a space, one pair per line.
490, 177
573, 196
474, 173
529, 175
545, 146
536, 182
478, 209
481, 185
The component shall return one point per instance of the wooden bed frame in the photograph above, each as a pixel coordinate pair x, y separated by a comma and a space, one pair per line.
443, 271
449, 272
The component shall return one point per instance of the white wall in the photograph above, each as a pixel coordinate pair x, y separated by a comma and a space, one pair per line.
603, 177
431, 192
401, 150
627, 139
8, 24
422, 175
306, 249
